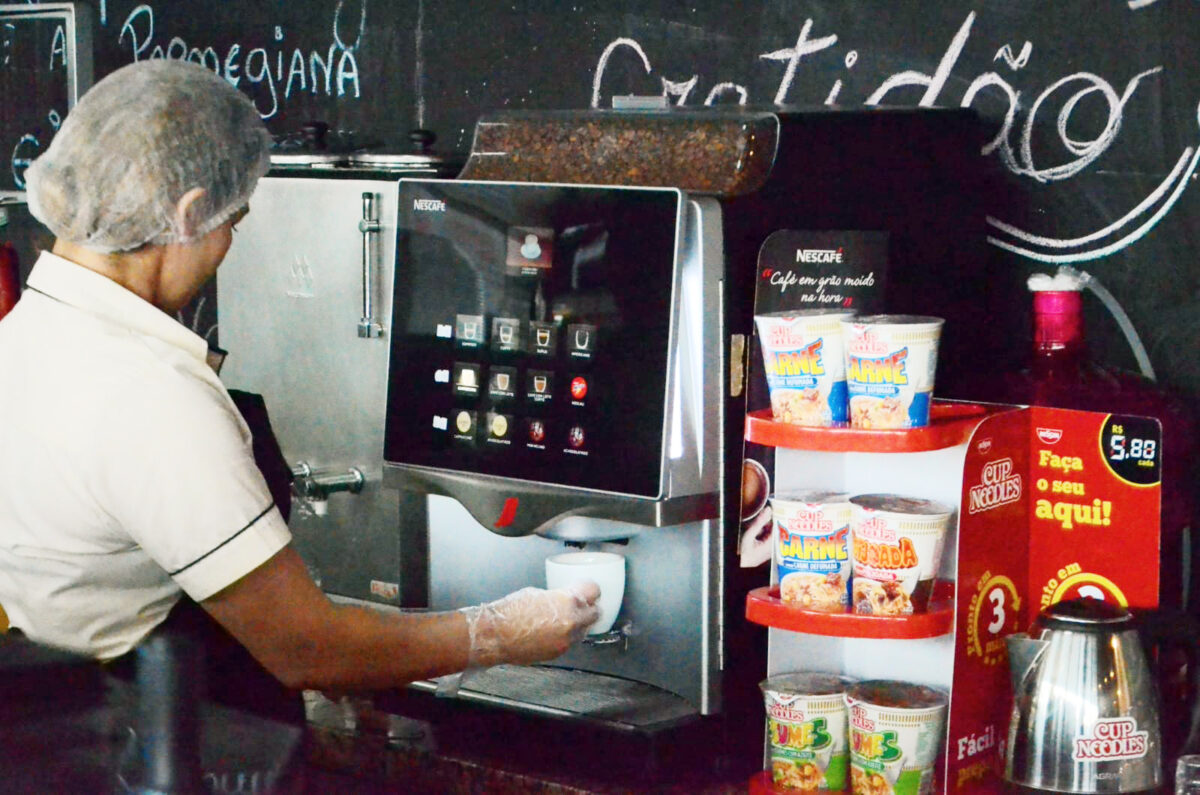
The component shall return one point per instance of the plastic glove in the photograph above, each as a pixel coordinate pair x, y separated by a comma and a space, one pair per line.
530, 625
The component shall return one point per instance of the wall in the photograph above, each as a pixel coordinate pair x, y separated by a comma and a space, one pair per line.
1093, 102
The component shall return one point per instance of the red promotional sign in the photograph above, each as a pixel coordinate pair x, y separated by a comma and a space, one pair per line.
1056, 504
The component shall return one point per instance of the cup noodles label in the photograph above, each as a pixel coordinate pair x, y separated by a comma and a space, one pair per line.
893, 749
807, 737
812, 550
805, 366
890, 368
1112, 739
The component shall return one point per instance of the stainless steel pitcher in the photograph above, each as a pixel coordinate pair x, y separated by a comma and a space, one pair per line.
1085, 715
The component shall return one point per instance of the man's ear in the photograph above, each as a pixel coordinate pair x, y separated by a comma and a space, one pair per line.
185, 211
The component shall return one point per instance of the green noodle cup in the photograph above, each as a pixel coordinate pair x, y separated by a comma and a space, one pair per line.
806, 730
896, 733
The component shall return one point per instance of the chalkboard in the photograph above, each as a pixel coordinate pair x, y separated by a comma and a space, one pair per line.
45, 64
1093, 102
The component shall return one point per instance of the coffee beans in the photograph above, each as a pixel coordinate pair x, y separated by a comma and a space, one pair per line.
717, 152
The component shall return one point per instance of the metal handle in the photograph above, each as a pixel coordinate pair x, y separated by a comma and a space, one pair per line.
369, 226
318, 484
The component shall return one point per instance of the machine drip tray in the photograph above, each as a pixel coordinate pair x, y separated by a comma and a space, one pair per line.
617, 703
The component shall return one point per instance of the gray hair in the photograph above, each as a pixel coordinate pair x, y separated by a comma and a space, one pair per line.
138, 141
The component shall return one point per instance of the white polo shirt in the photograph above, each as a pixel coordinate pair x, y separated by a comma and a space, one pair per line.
126, 472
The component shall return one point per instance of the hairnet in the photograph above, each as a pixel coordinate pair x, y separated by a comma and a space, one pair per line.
138, 141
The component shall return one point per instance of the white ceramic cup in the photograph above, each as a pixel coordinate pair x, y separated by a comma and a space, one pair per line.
606, 569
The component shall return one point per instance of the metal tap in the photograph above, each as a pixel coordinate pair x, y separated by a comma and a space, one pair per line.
315, 485
618, 634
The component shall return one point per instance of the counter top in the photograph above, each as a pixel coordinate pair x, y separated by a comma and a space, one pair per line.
353, 746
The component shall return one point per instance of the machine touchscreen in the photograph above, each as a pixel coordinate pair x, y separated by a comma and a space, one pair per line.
531, 332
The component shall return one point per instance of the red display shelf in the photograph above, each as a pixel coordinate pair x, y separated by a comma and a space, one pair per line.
950, 423
763, 606
761, 784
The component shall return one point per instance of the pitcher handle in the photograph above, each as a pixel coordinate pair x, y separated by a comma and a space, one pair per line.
1167, 629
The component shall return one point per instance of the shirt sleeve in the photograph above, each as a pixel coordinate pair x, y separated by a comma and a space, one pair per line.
187, 490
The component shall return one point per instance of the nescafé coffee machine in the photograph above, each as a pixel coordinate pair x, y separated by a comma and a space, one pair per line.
554, 383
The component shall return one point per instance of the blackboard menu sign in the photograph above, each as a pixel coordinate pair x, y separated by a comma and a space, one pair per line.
45, 64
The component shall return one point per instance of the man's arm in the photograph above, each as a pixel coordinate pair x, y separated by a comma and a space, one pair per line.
306, 641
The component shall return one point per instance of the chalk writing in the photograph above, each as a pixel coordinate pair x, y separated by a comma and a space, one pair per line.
332, 72
1013, 143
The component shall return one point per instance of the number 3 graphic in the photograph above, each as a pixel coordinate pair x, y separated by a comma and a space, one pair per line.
998, 616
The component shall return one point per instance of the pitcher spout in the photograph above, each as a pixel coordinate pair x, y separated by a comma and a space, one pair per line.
1022, 652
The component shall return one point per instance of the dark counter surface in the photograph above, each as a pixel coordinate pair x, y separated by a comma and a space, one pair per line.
353, 746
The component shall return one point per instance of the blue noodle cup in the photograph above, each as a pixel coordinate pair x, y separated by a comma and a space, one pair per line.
891, 361
805, 365
812, 549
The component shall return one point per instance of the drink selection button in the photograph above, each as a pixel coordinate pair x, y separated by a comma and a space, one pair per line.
465, 427
467, 377
581, 340
579, 390
499, 428
502, 385
535, 433
543, 339
469, 331
506, 334
539, 386
576, 440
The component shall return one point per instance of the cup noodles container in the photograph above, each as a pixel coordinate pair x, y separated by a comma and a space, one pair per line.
806, 731
805, 365
896, 548
812, 549
896, 733
890, 364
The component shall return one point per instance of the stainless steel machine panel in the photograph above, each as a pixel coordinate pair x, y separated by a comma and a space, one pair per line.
293, 314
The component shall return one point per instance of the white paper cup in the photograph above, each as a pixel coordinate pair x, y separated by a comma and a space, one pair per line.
891, 361
606, 569
805, 365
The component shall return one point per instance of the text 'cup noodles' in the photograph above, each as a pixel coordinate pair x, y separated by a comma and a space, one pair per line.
896, 547
896, 731
891, 361
812, 549
805, 365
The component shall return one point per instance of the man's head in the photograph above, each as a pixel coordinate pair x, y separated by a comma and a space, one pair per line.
157, 152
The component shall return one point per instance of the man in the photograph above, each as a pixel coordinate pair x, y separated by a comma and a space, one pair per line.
128, 490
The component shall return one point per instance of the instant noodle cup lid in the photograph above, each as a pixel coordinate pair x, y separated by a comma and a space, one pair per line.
811, 496
804, 683
897, 503
785, 313
898, 320
896, 695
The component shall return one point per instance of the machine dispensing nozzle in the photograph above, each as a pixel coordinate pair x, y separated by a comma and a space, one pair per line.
618, 634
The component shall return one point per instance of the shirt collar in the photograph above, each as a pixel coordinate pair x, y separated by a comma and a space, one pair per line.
88, 291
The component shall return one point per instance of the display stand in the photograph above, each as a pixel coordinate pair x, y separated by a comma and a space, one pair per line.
1049, 504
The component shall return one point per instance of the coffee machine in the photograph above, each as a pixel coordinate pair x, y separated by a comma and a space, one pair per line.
555, 382
549, 353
